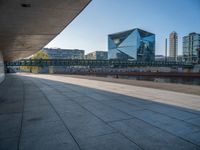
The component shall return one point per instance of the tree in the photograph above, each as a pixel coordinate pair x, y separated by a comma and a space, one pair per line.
35, 69
40, 55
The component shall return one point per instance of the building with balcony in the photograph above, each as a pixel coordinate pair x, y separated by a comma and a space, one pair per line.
135, 44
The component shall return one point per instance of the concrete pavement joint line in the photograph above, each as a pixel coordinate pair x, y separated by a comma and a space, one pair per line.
120, 81
154, 125
183, 110
22, 115
163, 113
133, 105
120, 120
97, 102
149, 90
168, 104
66, 127
174, 117
52, 77
128, 114
169, 132
198, 145
121, 85
115, 132
150, 123
4, 93
97, 117
163, 130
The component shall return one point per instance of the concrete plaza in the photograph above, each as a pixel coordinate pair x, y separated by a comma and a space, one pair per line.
57, 112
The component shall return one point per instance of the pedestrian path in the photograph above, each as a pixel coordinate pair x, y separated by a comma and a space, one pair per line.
51, 112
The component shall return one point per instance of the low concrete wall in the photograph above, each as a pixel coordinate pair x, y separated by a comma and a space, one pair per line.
2, 74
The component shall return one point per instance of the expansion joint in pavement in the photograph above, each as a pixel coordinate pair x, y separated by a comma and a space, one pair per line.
66, 127
22, 115
97, 117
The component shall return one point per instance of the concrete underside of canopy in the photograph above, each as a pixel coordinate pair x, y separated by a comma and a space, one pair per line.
26, 26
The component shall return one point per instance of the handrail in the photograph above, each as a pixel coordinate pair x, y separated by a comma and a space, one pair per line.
95, 63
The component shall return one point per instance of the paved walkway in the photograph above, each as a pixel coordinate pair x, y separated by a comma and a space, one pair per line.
182, 88
47, 112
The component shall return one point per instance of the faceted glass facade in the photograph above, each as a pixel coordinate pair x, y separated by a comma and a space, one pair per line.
135, 44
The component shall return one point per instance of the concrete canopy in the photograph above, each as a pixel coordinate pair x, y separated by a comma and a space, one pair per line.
28, 25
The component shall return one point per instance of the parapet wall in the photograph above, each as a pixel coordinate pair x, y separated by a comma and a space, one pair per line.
2, 74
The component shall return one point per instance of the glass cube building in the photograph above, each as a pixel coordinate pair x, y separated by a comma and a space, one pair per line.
135, 44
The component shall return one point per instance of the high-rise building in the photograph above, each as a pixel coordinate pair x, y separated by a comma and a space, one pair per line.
57, 53
135, 44
173, 45
198, 54
191, 44
97, 55
166, 48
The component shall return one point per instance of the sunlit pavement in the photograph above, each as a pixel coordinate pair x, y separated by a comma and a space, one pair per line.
55, 112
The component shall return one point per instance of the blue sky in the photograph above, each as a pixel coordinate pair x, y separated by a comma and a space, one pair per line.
102, 17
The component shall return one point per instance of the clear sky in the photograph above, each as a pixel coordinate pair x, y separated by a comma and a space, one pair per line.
102, 17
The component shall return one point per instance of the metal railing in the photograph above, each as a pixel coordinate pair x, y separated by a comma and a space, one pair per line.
95, 63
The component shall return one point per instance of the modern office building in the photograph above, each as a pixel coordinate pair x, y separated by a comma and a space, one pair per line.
198, 54
57, 53
191, 44
159, 58
173, 45
135, 44
179, 58
97, 55
169, 59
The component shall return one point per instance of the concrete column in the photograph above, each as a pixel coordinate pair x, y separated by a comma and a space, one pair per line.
2, 74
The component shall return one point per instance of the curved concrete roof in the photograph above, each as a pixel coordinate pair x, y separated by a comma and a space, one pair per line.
28, 25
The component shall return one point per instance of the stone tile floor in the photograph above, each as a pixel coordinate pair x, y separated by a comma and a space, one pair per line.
51, 112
